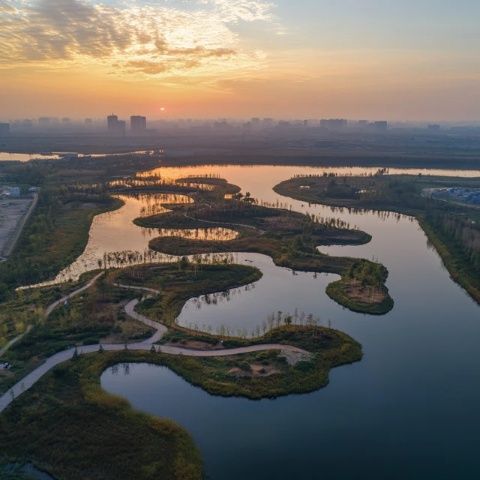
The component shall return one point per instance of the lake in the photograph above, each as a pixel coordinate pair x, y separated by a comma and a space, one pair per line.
409, 409
26, 157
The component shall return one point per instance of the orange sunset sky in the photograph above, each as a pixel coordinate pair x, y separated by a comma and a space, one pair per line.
409, 60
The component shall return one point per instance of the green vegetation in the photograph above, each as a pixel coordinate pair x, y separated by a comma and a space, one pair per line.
26, 308
267, 374
461, 261
363, 280
98, 316
182, 281
452, 228
54, 237
16, 474
290, 238
72, 192
68, 426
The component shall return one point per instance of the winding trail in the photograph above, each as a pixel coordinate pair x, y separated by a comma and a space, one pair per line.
75, 293
12, 342
50, 309
145, 346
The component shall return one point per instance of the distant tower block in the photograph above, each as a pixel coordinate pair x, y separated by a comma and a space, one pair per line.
138, 124
116, 126
4, 129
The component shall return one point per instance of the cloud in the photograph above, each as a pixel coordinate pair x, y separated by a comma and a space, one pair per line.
129, 37
246, 10
179, 59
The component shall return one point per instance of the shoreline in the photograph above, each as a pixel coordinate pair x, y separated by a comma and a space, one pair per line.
286, 189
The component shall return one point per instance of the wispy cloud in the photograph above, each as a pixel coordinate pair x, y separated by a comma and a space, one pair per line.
128, 37
246, 10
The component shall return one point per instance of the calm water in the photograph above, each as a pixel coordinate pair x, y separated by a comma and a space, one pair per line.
26, 157
408, 410
115, 240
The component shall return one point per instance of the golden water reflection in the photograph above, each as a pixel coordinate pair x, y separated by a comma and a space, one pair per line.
116, 242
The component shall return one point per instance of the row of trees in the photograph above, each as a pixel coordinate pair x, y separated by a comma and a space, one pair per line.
367, 273
274, 320
462, 232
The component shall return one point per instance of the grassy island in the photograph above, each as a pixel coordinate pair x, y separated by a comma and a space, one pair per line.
267, 374
290, 238
362, 289
68, 426
98, 315
452, 227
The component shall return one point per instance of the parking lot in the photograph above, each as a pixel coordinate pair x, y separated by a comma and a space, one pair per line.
12, 213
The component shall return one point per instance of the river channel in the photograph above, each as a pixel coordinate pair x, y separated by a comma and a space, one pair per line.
408, 410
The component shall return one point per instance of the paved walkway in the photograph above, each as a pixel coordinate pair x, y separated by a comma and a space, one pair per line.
50, 309
145, 346
80, 290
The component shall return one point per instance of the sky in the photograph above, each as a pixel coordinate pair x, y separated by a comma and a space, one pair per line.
361, 59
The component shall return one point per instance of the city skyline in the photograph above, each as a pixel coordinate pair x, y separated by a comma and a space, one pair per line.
413, 61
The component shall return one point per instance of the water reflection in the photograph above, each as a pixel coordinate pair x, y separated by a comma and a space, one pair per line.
409, 409
272, 319
281, 295
397, 241
145, 181
116, 242
26, 157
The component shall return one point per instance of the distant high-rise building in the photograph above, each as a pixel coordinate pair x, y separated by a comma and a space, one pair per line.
121, 127
434, 127
380, 125
88, 121
333, 123
4, 129
44, 121
138, 123
221, 125
112, 121
115, 125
